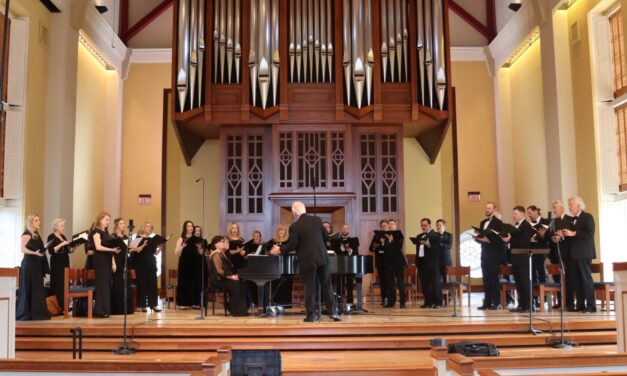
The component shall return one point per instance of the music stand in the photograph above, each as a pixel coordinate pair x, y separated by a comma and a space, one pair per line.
531, 252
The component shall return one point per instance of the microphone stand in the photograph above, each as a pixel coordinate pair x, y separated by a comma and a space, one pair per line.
561, 344
126, 349
202, 256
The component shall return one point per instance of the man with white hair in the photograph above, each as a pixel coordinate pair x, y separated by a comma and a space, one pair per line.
307, 236
582, 251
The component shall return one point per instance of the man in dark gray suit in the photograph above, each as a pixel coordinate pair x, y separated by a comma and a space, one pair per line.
307, 236
582, 252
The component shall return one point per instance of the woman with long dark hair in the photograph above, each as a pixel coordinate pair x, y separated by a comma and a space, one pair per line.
222, 274
103, 265
189, 252
146, 269
59, 249
31, 302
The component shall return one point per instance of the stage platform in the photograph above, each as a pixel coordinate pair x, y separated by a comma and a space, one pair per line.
372, 341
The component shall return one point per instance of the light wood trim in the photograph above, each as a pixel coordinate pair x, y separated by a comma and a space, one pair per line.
544, 361
461, 365
9, 272
620, 266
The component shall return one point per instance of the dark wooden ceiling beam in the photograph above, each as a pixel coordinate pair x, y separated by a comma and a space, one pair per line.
145, 21
489, 32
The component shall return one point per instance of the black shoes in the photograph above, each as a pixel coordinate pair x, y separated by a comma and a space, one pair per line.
335, 317
403, 305
155, 309
589, 310
483, 307
310, 318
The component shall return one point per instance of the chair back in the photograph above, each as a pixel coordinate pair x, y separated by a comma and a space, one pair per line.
411, 274
506, 270
553, 269
173, 275
597, 268
459, 272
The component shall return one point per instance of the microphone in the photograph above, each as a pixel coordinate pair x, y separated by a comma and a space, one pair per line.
130, 224
199, 179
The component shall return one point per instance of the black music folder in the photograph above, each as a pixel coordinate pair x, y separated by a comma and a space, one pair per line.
337, 243
78, 239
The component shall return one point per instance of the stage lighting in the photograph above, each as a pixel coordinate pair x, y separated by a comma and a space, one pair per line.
515, 5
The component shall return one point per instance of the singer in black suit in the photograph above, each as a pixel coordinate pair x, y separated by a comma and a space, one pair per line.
428, 261
520, 238
492, 255
446, 243
582, 251
378, 246
559, 247
538, 241
307, 237
395, 263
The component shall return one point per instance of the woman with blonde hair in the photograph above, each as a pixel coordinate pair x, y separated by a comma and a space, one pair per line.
283, 294
59, 249
117, 286
146, 269
31, 302
99, 242
237, 254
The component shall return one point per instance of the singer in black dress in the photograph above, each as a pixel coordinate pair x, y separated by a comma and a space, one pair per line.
59, 250
118, 264
31, 302
146, 268
103, 264
189, 253
237, 254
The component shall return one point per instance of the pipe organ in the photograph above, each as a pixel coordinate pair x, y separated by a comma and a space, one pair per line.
322, 62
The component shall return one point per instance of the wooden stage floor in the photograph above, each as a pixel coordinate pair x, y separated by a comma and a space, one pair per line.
382, 339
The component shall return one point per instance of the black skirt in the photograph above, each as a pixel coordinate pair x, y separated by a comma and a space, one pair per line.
189, 280
31, 301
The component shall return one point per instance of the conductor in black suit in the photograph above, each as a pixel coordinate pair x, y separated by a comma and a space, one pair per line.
307, 236
582, 251
520, 238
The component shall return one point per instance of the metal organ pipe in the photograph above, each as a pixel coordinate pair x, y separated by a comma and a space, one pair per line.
201, 47
193, 61
182, 54
438, 52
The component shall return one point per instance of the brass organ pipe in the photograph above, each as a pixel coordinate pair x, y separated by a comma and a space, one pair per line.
391, 39
420, 46
222, 39
346, 58
193, 61
438, 51
201, 47
292, 45
428, 49
384, 38
237, 52
183, 53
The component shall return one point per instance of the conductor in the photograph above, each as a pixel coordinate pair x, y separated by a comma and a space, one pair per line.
307, 236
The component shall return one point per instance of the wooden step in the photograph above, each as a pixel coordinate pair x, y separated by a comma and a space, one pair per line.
303, 342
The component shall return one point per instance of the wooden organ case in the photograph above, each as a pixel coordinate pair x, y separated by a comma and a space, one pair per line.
311, 95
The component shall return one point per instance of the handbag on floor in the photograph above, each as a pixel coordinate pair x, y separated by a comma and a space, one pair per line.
473, 349
53, 306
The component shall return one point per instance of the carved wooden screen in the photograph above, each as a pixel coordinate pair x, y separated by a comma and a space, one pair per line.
378, 162
312, 158
244, 174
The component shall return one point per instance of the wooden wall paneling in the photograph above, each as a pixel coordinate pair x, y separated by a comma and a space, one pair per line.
285, 60
338, 49
245, 82
208, 59
411, 25
376, 50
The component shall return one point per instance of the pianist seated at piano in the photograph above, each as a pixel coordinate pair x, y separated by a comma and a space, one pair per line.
222, 275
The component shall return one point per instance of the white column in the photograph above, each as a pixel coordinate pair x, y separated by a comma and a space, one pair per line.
60, 117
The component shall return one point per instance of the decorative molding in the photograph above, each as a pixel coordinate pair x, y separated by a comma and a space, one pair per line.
150, 55
86, 18
468, 54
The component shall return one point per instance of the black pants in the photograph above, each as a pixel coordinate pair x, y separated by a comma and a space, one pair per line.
344, 285
395, 278
103, 275
382, 282
312, 277
146, 286
569, 284
432, 285
584, 284
490, 263
521, 276
539, 269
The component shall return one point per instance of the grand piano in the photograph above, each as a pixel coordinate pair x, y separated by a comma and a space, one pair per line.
263, 268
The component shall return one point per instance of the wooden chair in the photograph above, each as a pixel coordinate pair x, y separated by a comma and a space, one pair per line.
506, 284
411, 283
551, 288
375, 282
602, 290
170, 289
458, 285
73, 290
213, 291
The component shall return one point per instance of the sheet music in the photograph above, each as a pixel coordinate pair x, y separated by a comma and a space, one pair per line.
135, 242
258, 251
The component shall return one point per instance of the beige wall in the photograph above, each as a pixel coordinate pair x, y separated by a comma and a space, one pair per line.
142, 125
96, 109
476, 135
528, 133
36, 99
